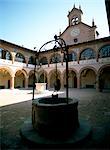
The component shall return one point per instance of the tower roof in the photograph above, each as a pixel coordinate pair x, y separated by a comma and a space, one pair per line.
74, 9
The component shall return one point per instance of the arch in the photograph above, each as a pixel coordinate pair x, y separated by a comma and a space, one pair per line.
104, 51
53, 76
30, 78
76, 72
44, 61
23, 71
30, 72
104, 77
5, 78
5, 54
19, 57
43, 77
8, 69
20, 79
55, 58
72, 78
87, 53
88, 67
88, 78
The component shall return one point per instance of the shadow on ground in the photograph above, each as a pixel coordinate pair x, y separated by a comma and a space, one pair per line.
93, 106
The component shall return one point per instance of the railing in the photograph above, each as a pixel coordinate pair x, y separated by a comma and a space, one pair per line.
88, 61
9, 63
45, 66
19, 64
104, 60
5, 62
30, 66
59, 65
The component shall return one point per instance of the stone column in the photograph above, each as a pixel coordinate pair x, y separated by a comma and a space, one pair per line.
78, 58
26, 59
12, 83
13, 57
26, 82
97, 83
48, 81
62, 81
44, 76
48, 62
78, 81
62, 56
97, 53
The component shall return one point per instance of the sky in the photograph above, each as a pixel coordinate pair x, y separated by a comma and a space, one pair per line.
31, 23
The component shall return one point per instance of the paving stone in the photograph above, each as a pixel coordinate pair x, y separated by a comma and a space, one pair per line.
93, 106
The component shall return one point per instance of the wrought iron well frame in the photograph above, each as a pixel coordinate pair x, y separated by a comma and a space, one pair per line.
64, 49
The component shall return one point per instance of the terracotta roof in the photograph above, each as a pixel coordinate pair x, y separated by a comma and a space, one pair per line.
15, 45
78, 44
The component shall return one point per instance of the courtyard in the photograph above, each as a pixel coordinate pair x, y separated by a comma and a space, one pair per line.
15, 108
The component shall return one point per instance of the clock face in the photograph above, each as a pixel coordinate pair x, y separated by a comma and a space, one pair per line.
75, 32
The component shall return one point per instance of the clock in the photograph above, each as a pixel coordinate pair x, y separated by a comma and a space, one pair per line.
75, 31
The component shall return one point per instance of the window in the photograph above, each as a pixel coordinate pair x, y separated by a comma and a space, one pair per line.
8, 56
31, 60
104, 51
75, 40
43, 61
5, 54
20, 58
56, 58
87, 54
74, 57
75, 20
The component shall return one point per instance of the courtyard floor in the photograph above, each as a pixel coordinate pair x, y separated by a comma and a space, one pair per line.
15, 108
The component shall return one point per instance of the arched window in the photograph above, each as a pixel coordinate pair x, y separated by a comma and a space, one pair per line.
87, 54
75, 20
71, 57
31, 60
104, 51
20, 58
43, 61
5, 54
55, 58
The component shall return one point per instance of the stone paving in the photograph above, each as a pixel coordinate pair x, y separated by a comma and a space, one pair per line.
8, 96
16, 108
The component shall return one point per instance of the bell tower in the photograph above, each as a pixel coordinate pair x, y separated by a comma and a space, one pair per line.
77, 31
74, 16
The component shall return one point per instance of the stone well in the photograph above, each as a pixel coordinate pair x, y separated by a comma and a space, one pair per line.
55, 123
54, 118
